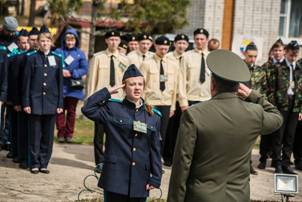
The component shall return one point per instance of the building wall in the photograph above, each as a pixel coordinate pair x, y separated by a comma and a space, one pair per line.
258, 18
195, 16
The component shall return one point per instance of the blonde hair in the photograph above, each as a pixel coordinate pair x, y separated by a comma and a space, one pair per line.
45, 35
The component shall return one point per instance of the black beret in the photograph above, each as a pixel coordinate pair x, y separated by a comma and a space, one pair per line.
201, 31
251, 46
132, 37
144, 36
33, 31
132, 71
112, 33
293, 45
44, 29
123, 44
179, 37
162, 40
23, 32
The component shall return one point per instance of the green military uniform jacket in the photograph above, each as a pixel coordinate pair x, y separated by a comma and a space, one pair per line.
258, 79
279, 84
211, 160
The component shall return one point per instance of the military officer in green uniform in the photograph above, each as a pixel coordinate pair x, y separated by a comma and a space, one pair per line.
216, 137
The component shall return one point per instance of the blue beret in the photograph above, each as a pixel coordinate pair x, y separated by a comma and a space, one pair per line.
132, 71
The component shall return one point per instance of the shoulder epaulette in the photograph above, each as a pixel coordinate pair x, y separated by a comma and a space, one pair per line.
31, 53
3, 47
60, 56
156, 111
115, 100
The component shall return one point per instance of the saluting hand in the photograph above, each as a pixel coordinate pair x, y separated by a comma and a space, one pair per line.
115, 89
244, 91
27, 110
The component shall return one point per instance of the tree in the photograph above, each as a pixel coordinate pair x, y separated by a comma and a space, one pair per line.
60, 10
32, 13
156, 16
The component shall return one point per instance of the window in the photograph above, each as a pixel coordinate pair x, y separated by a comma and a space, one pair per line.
290, 24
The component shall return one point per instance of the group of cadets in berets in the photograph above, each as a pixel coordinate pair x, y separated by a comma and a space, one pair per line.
34, 90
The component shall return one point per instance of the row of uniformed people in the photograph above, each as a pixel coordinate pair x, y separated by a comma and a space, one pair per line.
280, 79
169, 77
34, 96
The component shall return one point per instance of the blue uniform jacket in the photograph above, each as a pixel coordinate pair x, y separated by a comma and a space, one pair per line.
132, 159
3, 72
78, 67
43, 83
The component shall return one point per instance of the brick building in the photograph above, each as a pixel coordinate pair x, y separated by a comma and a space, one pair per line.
231, 21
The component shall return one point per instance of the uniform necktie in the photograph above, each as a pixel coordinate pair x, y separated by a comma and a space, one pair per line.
112, 72
179, 59
162, 84
202, 76
144, 56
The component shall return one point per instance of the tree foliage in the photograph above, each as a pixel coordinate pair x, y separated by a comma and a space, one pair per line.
61, 9
156, 16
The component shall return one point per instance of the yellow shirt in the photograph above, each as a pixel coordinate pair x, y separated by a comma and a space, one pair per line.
151, 71
190, 87
136, 57
99, 71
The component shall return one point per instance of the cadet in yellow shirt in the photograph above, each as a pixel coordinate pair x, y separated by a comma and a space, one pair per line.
139, 56
161, 76
181, 43
106, 70
194, 73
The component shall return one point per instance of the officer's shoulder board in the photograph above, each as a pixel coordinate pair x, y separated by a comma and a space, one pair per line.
30, 53
60, 56
157, 112
115, 100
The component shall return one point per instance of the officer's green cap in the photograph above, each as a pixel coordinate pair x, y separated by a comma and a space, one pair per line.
228, 65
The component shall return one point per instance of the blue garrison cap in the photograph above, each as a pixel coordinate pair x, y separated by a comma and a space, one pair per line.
132, 71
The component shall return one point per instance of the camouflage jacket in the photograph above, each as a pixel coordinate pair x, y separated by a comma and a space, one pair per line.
258, 80
279, 83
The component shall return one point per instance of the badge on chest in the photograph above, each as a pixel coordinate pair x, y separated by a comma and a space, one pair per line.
140, 127
163, 78
69, 60
52, 60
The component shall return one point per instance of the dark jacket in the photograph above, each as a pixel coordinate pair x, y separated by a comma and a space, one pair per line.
78, 67
132, 159
3, 72
43, 83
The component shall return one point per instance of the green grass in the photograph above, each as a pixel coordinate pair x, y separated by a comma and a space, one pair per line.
83, 133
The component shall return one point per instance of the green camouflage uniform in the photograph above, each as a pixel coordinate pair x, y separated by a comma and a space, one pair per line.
279, 84
258, 80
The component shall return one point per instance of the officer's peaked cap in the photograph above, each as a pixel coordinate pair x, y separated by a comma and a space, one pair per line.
228, 65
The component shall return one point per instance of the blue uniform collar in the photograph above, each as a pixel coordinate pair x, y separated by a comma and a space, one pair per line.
132, 105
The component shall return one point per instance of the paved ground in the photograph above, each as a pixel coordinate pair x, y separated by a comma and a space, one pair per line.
71, 163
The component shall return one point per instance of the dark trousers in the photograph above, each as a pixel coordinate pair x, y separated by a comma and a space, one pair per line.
66, 121
165, 112
113, 197
283, 140
171, 135
298, 143
98, 142
265, 146
23, 138
42, 133
12, 117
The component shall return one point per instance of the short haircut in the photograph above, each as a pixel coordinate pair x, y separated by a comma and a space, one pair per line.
45, 35
251, 46
223, 85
